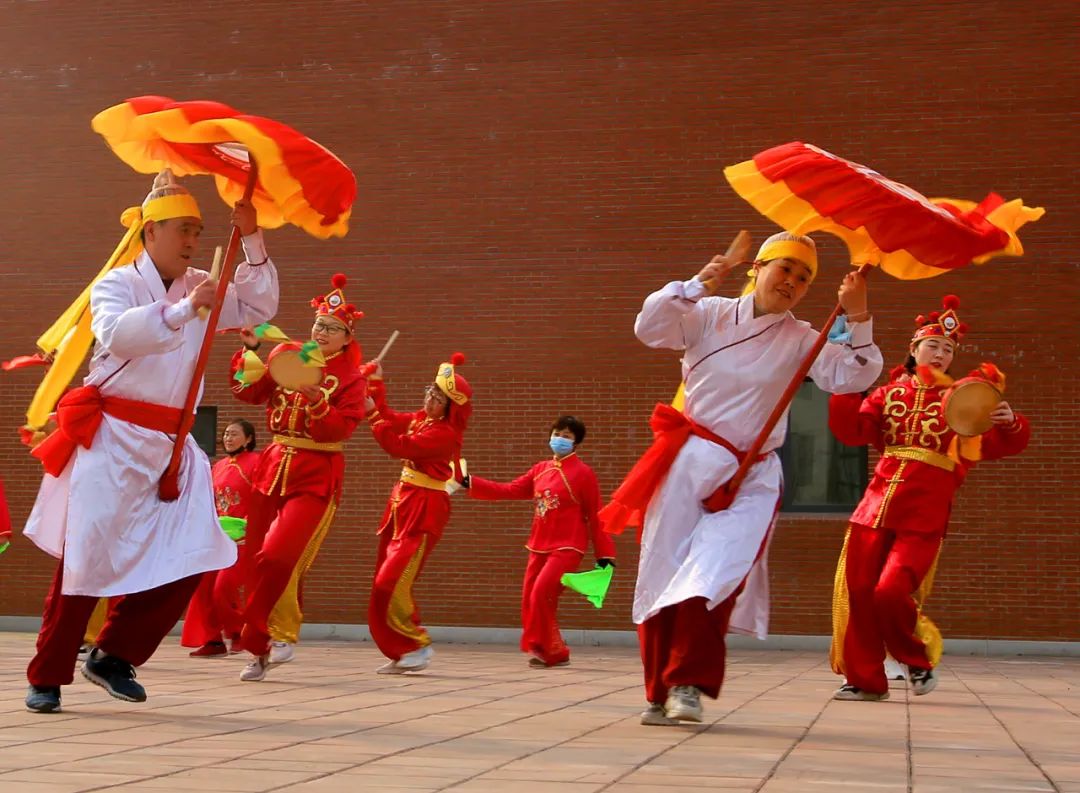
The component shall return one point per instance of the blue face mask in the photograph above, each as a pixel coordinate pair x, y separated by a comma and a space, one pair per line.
561, 446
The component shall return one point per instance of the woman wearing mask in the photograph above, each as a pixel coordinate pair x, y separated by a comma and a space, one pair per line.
566, 497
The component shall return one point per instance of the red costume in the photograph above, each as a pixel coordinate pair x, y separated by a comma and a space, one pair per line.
216, 605
419, 506
897, 529
567, 498
297, 484
5, 520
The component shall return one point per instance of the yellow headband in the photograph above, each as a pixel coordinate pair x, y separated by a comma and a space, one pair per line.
178, 205
790, 249
69, 338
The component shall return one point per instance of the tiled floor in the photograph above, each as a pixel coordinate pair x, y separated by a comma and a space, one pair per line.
480, 720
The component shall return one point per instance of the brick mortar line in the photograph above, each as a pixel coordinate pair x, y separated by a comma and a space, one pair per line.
261, 726
348, 732
1008, 732
1068, 710
567, 740
712, 724
796, 742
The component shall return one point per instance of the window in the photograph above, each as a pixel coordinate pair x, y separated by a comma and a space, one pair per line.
204, 431
820, 473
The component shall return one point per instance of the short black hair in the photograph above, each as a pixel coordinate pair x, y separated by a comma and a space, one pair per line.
575, 425
249, 431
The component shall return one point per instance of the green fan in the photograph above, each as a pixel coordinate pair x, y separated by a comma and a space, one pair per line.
593, 584
234, 527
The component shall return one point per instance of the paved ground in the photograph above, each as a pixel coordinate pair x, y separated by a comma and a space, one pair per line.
480, 720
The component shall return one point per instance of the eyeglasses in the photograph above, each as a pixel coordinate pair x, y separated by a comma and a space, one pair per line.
434, 391
327, 328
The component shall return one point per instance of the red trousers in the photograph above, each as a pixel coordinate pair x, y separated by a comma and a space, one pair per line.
283, 532
684, 645
539, 601
133, 630
393, 616
884, 570
216, 611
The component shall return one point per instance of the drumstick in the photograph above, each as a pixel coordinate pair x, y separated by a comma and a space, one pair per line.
386, 347
738, 250
215, 273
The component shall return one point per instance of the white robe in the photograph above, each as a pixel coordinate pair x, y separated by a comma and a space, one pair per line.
735, 368
103, 514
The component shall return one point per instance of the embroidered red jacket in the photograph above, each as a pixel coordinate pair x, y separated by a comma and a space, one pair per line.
566, 495
306, 455
915, 480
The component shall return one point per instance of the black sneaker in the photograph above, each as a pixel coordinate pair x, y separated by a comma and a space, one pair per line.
43, 699
923, 681
115, 675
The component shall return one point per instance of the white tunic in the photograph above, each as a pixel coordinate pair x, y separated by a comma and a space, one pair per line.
103, 514
735, 368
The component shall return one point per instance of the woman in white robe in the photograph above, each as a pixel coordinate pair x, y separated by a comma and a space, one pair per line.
740, 354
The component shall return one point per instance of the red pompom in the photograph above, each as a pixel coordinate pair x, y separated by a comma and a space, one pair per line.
935, 316
339, 280
358, 315
951, 301
920, 320
457, 359
962, 328
316, 302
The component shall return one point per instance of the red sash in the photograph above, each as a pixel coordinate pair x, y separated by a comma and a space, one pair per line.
79, 414
671, 429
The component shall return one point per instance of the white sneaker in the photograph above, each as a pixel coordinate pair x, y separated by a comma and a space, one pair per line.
281, 652
894, 670
923, 681
656, 716
684, 703
390, 668
256, 670
850, 693
416, 660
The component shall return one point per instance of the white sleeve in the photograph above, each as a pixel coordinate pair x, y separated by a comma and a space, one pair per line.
252, 297
850, 367
128, 330
672, 317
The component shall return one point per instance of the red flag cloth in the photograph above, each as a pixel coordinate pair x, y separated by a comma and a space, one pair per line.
671, 429
79, 414
23, 361
5, 516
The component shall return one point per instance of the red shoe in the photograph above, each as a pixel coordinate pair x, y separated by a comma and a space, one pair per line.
210, 650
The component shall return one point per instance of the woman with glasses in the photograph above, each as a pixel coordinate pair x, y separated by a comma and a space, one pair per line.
297, 485
428, 441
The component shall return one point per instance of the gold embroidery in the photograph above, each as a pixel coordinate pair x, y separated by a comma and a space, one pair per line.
894, 482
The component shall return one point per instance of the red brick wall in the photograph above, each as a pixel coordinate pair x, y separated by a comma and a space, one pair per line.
528, 172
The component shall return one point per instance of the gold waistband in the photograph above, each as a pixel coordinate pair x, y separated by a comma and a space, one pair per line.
410, 476
927, 456
308, 443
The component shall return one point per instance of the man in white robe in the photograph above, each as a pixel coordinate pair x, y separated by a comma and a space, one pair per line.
98, 511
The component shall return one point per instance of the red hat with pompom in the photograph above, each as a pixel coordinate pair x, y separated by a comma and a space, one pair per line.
333, 304
943, 324
451, 383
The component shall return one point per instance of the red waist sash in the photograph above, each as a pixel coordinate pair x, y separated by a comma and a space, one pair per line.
78, 417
